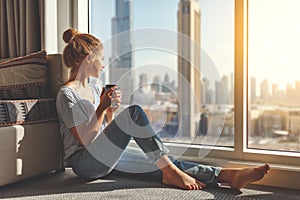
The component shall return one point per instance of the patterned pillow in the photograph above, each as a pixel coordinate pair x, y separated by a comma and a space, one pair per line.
24, 77
27, 111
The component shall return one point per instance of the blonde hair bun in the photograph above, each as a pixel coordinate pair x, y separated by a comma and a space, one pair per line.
69, 34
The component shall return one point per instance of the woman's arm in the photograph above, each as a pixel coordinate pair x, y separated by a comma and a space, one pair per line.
86, 133
109, 116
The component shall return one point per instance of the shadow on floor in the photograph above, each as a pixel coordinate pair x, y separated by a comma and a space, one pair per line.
126, 186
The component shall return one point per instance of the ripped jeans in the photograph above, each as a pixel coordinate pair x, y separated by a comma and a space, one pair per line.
110, 151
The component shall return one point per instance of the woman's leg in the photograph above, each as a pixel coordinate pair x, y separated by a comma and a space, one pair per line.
240, 177
236, 177
177, 174
204, 173
100, 157
133, 160
133, 123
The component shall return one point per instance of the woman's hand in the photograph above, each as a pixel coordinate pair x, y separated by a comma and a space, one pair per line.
106, 99
116, 100
109, 97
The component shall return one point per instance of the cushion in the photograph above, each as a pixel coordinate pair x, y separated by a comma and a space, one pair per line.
27, 111
24, 77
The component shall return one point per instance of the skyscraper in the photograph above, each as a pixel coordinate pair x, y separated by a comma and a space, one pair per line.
253, 89
225, 80
264, 91
121, 61
220, 92
143, 85
206, 93
189, 19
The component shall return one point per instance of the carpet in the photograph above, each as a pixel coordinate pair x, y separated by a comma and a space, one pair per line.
67, 185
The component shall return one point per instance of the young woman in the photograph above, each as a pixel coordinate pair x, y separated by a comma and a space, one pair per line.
95, 142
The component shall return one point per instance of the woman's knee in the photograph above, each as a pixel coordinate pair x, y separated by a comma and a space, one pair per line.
138, 115
135, 109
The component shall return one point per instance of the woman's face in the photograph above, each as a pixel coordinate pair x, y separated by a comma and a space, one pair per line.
96, 63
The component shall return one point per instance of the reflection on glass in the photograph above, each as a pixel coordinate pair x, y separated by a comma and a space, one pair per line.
187, 92
273, 69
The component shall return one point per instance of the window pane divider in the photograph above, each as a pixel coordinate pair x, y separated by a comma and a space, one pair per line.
238, 79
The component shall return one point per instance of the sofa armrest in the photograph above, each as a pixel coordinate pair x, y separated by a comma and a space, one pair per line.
58, 73
29, 150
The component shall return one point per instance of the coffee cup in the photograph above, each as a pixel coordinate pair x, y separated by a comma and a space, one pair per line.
106, 88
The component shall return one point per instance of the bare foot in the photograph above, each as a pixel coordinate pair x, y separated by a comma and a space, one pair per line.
175, 177
242, 177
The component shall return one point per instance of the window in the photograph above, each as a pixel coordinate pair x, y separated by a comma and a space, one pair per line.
176, 59
240, 42
274, 92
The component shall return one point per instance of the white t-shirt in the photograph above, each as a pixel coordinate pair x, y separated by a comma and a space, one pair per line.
73, 111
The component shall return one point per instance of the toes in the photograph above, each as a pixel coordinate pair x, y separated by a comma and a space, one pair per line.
194, 187
197, 187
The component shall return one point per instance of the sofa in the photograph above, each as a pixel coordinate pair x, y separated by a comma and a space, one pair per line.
31, 148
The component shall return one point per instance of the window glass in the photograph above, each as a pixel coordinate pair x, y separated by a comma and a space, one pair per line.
174, 58
273, 79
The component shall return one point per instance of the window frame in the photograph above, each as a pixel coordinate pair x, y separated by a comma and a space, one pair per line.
285, 164
240, 150
61, 15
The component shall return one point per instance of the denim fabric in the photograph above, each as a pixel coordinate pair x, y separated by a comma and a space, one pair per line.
101, 156
204, 173
134, 161
109, 151
134, 123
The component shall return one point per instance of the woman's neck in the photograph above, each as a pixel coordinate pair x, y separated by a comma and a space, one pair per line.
83, 89
78, 83
81, 83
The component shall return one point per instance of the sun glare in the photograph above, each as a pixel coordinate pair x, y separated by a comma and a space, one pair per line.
274, 42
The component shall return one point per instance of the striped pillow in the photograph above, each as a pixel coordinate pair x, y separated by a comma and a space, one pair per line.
27, 111
24, 77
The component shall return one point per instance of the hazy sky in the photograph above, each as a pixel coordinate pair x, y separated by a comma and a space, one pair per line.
274, 40
216, 28
274, 34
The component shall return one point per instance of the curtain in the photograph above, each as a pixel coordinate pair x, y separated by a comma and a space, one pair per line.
21, 27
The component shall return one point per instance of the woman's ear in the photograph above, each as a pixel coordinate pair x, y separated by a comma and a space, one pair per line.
88, 58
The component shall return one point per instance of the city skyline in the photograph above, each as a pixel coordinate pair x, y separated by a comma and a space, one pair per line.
218, 34
218, 44
272, 56
269, 92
